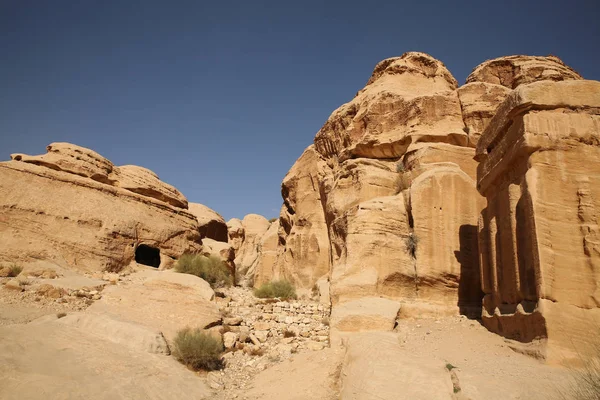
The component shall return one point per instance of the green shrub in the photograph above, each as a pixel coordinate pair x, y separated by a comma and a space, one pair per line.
14, 270
198, 349
280, 289
212, 269
273, 220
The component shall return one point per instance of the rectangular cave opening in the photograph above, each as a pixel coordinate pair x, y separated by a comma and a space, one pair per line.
147, 255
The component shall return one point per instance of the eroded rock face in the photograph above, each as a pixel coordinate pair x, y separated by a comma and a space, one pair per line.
212, 225
245, 236
513, 71
393, 165
74, 207
303, 241
408, 99
479, 101
539, 233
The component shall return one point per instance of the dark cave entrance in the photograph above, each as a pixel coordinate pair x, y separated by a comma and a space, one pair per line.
147, 255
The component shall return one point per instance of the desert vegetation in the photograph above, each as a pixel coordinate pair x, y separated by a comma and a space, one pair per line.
197, 349
212, 269
14, 270
276, 289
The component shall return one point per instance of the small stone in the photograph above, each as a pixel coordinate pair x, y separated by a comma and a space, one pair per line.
229, 339
14, 284
261, 335
314, 346
254, 339
232, 321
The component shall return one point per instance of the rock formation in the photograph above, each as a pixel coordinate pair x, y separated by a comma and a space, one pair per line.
245, 238
385, 203
75, 207
212, 225
539, 234
389, 185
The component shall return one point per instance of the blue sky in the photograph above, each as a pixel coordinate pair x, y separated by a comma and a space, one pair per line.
220, 98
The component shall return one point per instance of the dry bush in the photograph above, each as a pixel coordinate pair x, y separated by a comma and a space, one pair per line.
212, 269
197, 349
14, 270
276, 289
288, 334
411, 242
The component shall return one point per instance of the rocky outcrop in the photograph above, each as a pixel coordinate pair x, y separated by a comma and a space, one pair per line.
245, 237
303, 243
539, 234
512, 71
408, 99
212, 225
76, 208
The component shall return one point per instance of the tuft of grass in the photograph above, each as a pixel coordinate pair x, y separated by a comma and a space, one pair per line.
450, 367
14, 270
400, 167
411, 243
584, 383
198, 350
276, 289
288, 334
212, 269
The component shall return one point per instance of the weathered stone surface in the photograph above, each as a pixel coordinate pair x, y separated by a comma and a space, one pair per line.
369, 255
162, 300
479, 101
303, 240
267, 267
538, 235
408, 99
375, 366
513, 71
53, 210
212, 225
146, 183
130, 335
54, 360
235, 232
363, 315
444, 209
253, 227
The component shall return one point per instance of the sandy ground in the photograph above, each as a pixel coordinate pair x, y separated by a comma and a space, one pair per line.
486, 366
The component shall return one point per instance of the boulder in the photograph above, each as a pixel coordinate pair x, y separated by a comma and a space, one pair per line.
69, 206
212, 225
58, 360
130, 335
162, 300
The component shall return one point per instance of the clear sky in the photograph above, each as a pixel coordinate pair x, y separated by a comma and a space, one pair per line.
220, 98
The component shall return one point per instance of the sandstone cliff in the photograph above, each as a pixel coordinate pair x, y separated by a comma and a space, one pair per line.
75, 207
385, 203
